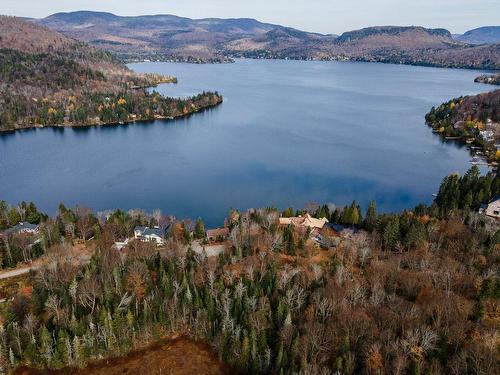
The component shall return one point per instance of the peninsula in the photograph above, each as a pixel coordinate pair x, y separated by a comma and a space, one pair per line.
474, 120
47, 79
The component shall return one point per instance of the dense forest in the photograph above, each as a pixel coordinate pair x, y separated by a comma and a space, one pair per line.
58, 81
409, 293
477, 109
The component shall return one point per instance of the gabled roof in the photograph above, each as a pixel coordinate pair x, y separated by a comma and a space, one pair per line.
306, 221
495, 199
147, 231
218, 232
336, 227
160, 232
20, 228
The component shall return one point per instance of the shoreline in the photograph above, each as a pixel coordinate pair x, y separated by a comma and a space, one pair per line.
234, 58
120, 123
478, 138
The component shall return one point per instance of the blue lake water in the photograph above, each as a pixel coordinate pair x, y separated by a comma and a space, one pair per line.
288, 133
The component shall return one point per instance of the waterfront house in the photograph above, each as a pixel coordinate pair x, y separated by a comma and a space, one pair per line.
487, 135
22, 227
492, 209
147, 234
306, 221
218, 234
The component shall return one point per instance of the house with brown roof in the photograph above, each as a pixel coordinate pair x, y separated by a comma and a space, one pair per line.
218, 234
306, 221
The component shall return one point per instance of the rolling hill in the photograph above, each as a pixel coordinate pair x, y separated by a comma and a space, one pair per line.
481, 35
163, 34
166, 37
48, 79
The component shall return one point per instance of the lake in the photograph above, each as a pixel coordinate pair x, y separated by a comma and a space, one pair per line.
288, 133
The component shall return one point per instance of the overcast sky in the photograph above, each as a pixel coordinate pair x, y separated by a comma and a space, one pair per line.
324, 16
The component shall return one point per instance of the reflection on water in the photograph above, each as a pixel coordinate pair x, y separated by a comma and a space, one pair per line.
288, 133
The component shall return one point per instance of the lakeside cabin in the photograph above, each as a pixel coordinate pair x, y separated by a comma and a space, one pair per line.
217, 234
492, 209
306, 221
22, 227
147, 234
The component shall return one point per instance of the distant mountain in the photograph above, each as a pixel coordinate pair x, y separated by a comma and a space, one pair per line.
214, 39
416, 45
481, 35
163, 34
399, 33
20, 37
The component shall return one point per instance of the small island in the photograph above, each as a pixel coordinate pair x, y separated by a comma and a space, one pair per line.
490, 79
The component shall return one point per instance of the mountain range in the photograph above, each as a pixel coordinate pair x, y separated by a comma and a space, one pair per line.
481, 35
213, 39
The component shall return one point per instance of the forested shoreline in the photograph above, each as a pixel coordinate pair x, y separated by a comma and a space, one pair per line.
108, 109
472, 119
48, 89
406, 293
47, 79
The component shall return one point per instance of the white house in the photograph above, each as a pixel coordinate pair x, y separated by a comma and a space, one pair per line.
487, 135
146, 234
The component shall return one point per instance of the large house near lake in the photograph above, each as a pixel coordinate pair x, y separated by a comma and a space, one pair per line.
306, 221
218, 234
22, 227
147, 234
492, 209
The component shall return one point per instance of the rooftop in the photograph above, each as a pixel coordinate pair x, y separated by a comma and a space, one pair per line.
21, 227
305, 221
218, 232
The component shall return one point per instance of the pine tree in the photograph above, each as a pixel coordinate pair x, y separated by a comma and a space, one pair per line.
346, 216
199, 229
391, 232
79, 352
279, 357
355, 214
245, 354
46, 344
371, 217
62, 352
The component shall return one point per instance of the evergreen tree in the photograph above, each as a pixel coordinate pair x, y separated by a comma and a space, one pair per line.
371, 217
199, 229
355, 214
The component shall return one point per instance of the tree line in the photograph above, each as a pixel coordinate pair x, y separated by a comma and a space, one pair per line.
408, 293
